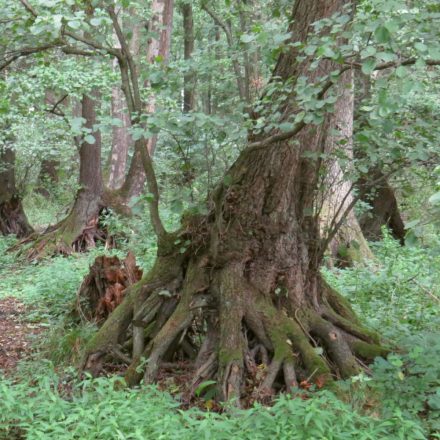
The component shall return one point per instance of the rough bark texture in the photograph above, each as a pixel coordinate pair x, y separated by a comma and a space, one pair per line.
247, 290
121, 140
13, 219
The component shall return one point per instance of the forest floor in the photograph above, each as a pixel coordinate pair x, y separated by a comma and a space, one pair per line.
15, 334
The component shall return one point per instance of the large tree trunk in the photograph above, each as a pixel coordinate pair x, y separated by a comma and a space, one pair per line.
246, 277
13, 219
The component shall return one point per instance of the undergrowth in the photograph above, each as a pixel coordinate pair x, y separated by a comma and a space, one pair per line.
396, 294
93, 410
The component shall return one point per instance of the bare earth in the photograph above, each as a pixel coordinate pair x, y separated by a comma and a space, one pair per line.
15, 343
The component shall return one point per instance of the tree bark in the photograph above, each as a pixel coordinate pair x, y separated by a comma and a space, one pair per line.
374, 188
121, 138
13, 219
249, 272
158, 50
349, 245
188, 39
79, 230
384, 208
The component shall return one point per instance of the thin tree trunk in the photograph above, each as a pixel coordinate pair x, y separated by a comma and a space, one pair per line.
121, 138
49, 167
251, 269
375, 189
158, 50
189, 77
13, 219
349, 245
226, 26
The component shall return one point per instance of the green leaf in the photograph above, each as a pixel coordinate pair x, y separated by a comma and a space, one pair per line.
247, 38
368, 66
203, 386
286, 126
435, 199
421, 47
95, 21
368, 52
382, 35
401, 71
90, 139
74, 24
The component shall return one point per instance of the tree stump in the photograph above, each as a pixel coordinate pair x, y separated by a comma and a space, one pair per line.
103, 289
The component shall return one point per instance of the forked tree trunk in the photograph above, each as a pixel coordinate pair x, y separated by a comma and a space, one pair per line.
13, 219
246, 278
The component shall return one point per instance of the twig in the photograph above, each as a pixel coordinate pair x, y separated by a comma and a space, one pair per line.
29, 8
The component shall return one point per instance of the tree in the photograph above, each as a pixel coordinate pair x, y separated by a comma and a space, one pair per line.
80, 228
158, 50
249, 269
13, 219
374, 188
251, 266
188, 39
349, 245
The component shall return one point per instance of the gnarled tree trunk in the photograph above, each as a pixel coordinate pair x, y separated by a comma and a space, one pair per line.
246, 277
13, 219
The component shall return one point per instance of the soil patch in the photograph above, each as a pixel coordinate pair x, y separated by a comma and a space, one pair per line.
15, 332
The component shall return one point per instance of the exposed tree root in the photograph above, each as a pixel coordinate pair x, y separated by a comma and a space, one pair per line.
230, 331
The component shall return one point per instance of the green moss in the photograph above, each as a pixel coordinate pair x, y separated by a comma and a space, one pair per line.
227, 356
369, 351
